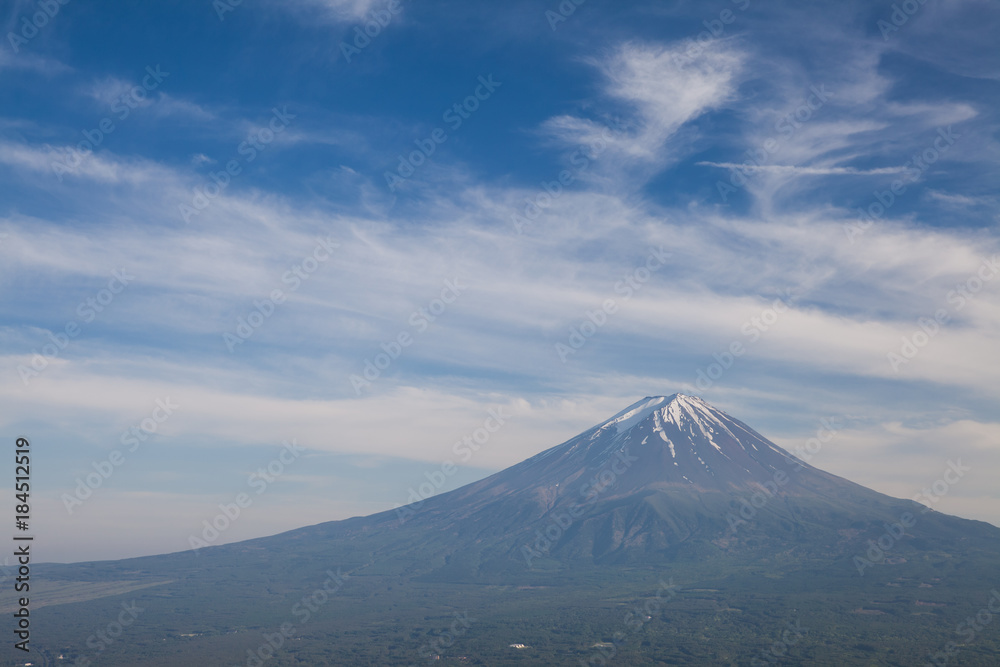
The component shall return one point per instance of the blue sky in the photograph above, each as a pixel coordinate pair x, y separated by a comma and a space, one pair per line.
790, 210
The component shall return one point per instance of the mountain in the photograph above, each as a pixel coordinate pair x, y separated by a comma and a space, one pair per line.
667, 477
720, 535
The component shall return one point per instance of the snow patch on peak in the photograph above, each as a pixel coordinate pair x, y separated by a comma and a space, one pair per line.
689, 414
658, 428
634, 413
688, 408
643, 408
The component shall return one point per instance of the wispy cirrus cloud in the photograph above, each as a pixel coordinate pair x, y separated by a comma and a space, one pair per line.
336, 10
658, 92
102, 167
32, 62
787, 169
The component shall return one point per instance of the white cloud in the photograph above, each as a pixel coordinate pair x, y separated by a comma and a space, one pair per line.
29, 61
69, 162
340, 10
168, 105
109, 90
787, 169
959, 200
661, 91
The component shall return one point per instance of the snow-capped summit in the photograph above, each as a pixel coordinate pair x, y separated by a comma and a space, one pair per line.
674, 442
705, 445
682, 411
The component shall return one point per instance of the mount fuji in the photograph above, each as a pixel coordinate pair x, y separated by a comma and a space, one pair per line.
545, 562
668, 477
